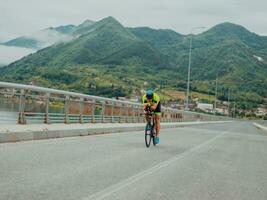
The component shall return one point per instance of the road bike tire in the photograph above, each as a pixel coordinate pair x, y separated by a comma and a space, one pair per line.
153, 133
147, 136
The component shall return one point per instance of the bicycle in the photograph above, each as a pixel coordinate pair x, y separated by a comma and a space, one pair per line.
150, 133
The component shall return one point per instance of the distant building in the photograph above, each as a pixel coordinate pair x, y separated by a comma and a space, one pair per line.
222, 111
121, 98
261, 111
205, 106
8, 93
135, 99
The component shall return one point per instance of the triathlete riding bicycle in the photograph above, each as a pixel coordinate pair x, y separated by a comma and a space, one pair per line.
152, 100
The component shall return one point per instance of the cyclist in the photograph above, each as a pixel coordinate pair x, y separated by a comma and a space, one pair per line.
153, 100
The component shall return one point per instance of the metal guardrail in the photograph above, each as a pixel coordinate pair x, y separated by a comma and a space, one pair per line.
82, 108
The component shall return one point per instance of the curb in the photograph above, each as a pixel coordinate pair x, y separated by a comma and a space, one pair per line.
260, 126
12, 136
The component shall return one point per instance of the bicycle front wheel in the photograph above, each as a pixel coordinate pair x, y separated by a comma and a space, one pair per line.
147, 135
153, 135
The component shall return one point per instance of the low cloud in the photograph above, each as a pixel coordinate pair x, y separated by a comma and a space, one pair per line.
45, 38
11, 54
49, 37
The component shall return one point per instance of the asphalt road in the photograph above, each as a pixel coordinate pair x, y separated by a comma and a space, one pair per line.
218, 161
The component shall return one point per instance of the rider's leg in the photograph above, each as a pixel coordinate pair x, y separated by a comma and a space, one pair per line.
147, 121
157, 121
147, 118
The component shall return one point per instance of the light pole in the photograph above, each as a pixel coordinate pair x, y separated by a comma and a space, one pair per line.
189, 64
228, 102
215, 101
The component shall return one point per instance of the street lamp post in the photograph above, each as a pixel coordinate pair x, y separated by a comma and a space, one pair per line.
189, 64
188, 75
228, 102
215, 101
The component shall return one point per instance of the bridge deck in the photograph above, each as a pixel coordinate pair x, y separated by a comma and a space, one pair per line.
209, 161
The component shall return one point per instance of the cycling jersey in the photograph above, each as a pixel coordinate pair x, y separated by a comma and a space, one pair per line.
154, 100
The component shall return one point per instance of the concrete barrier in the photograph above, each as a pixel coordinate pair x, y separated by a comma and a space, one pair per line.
260, 126
18, 133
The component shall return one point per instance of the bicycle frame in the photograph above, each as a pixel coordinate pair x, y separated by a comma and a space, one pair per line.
151, 124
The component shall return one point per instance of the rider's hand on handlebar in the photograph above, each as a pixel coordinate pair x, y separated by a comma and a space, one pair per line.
148, 108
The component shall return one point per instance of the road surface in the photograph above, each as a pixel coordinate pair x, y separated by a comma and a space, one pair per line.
207, 162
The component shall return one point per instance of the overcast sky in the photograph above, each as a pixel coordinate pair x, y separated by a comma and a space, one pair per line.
21, 17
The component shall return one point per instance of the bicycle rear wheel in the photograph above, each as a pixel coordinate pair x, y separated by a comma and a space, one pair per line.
148, 135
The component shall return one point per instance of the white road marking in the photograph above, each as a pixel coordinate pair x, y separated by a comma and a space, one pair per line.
116, 187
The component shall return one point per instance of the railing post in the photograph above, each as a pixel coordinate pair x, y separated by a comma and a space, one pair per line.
133, 114
46, 118
22, 119
139, 113
67, 103
93, 111
81, 106
166, 116
142, 117
120, 114
112, 112
103, 112
127, 114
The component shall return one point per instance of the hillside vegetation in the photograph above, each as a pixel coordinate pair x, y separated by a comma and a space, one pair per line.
105, 58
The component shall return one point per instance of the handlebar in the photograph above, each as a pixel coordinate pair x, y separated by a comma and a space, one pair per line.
149, 110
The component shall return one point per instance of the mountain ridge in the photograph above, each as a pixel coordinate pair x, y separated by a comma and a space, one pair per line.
107, 49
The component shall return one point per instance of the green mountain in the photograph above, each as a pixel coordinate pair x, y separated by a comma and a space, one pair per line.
24, 42
105, 58
83, 27
160, 39
229, 31
108, 43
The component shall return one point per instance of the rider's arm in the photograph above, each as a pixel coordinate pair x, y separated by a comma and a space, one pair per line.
144, 100
155, 102
154, 106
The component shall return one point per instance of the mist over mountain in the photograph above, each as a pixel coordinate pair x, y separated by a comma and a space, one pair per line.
106, 58
43, 38
9, 54
47, 37
24, 45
